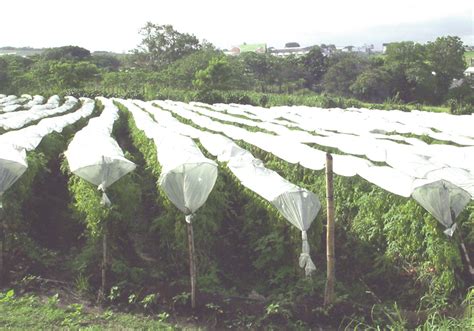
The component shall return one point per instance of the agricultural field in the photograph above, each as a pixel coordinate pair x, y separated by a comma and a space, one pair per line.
200, 215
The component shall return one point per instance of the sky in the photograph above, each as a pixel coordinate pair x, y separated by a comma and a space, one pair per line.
100, 25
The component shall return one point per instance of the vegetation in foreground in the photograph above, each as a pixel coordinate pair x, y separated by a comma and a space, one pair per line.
34, 312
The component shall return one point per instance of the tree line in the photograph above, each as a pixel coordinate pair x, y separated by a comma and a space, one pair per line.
408, 72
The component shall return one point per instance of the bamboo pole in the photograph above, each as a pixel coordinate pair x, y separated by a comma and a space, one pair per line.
2, 248
329, 295
192, 263
101, 295
466, 254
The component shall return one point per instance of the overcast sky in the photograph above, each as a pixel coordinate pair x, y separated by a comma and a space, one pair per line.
114, 25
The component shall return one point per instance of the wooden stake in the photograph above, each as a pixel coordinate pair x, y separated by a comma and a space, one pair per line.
192, 263
329, 295
2, 249
466, 255
101, 296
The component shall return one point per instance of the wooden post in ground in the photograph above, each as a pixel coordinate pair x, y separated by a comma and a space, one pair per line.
101, 295
329, 295
2, 248
192, 262
466, 254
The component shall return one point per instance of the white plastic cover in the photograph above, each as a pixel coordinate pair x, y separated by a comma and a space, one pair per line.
18, 119
14, 144
297, 205
444, 201
12, 165
30, 137
94, 155
187, 176
355, 132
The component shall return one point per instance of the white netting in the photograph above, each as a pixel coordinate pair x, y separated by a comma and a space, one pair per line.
18, 119
187, 177
443, 200
94, 155
408, 160
14, 144
298, 206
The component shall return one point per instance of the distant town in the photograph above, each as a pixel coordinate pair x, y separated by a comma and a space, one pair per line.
291, 48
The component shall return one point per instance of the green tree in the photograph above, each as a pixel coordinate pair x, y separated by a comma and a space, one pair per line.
260, 68
60, 75
181, 73
217, 75
343, 73
106, 61
446, 58
67, 53
162, 45
372, 85
3, 75
314, 64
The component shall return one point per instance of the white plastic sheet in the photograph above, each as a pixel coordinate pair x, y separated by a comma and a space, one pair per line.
30, 137
443, 200
187, 176
94, 155
12, 165
298, 206
410, 161
18, 119
15, 144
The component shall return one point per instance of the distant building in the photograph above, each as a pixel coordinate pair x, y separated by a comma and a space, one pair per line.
20, 51
469, 72
246, 48
348, 49
291, 48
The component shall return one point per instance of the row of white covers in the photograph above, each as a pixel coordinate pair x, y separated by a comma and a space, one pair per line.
411, 162
15, 144
410, 166
94, 155
17, 104
360, 121
297, 205
187, 176
387, 178
18, 119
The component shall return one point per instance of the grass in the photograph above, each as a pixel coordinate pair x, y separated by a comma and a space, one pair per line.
31, 312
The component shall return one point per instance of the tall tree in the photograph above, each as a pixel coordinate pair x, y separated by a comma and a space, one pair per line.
343, 73
315, 66
412, 77
446, 58
162, 45
67, 53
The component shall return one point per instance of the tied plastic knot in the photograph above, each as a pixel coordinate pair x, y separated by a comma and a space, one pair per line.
104, 201
305, 258
189, 218
450, 231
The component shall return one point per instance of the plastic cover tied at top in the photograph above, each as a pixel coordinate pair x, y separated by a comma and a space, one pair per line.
14, 144
187, 176
444, 201
95, 156
297, 205
12, 165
